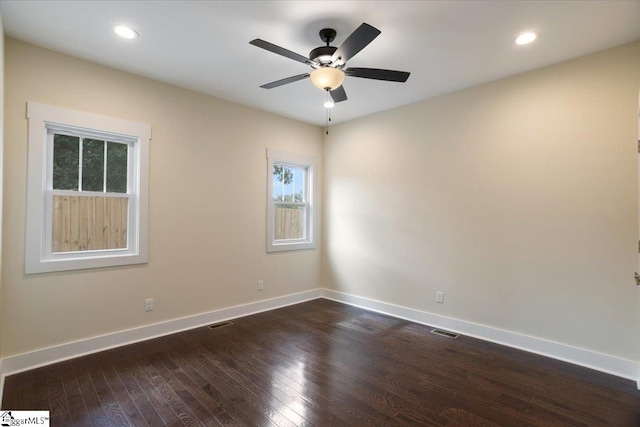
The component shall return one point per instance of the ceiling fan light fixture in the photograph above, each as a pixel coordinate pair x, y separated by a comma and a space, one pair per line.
327, 78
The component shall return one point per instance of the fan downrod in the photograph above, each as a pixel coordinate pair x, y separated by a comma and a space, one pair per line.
322, 55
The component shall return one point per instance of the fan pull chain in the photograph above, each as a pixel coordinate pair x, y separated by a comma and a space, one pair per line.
329, 100
328, 119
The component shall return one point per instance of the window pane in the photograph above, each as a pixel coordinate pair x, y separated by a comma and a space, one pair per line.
281, 180
277, 182
289, 183
66, 157
289, 222
92, 165
299, 179
86, 223
116, 167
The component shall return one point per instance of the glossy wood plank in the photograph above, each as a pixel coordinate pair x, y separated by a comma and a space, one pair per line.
77, 409
322, 363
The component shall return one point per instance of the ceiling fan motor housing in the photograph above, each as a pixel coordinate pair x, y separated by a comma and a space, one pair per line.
322, 54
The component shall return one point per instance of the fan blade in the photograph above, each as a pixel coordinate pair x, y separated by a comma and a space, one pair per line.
285, 81
338, 94
378, 74
358, 40
280, 51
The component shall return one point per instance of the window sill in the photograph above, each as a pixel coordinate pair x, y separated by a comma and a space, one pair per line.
81, 263
281, 247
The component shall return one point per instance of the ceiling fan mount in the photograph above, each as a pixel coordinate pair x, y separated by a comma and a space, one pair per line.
322, 55
328, 62
327, 35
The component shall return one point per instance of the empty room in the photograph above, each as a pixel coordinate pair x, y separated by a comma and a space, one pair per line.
319, 213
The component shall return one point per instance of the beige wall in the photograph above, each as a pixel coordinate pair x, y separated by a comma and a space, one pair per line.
207, 223
1, 161
517, 198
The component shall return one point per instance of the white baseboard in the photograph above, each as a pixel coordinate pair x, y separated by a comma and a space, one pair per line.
578, 356
601, 362
26, 361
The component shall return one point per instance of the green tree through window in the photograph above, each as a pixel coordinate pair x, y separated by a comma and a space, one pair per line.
67, 157
66, 160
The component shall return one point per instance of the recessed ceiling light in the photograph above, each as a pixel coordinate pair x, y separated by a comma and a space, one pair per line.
526, 38
329, 104
125, 32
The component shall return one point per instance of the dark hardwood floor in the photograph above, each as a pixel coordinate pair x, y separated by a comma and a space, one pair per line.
322, 363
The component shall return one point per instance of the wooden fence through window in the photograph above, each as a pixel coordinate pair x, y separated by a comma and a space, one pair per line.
85, 223
289, 223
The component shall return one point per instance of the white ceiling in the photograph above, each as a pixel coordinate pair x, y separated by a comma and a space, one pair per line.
204, 45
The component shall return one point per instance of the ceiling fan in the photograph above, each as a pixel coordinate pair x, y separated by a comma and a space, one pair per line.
329, 62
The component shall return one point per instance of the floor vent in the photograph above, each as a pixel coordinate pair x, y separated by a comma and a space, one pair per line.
220, 325
444, 333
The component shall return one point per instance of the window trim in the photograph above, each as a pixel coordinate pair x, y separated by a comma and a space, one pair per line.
309, 242
42, 118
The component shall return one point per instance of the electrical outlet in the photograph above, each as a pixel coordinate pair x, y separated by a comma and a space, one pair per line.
148, 304
440, 297
260, 285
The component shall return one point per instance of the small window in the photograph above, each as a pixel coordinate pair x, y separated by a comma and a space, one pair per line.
87, 190
291, 209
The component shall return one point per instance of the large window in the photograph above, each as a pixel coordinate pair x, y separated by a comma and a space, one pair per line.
291, 208
87, 190
89, 199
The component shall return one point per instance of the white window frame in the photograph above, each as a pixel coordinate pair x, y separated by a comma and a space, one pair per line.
44, 120
309, 239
